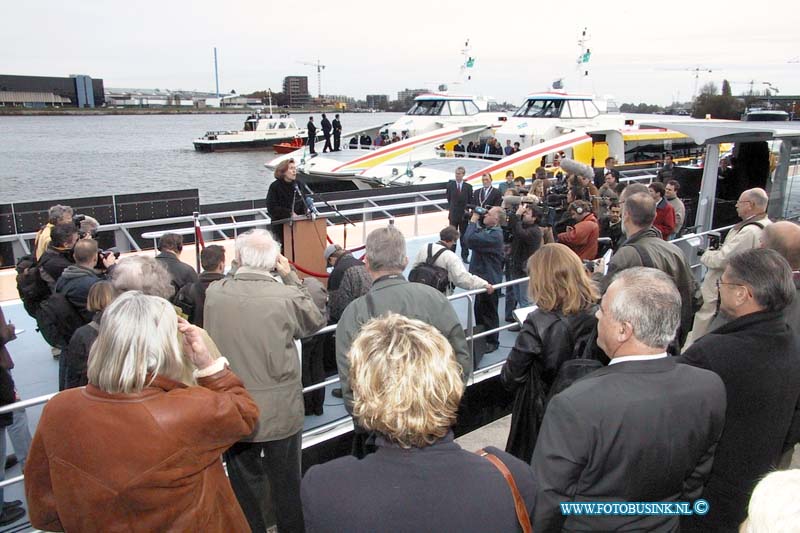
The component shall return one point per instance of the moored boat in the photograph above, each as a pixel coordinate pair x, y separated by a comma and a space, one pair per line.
259, 132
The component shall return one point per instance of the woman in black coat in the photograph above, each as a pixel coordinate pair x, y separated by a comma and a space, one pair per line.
562, 328
76, 356
284, 197
419, 478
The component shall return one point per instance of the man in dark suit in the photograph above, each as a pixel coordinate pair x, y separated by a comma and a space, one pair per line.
458, 194
459, 149
326, 133
337, 133
643, 429
312, 135
487, 196
757, 355
600, 173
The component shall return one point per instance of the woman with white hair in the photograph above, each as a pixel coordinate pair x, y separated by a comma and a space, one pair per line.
407, 386
138, 449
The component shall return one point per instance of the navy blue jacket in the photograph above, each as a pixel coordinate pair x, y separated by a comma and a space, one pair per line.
487, 252
437, 488
74, 284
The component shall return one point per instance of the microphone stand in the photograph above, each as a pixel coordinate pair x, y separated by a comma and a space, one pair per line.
332, 207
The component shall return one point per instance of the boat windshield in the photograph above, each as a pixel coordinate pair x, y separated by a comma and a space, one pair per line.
427, 107
540, 108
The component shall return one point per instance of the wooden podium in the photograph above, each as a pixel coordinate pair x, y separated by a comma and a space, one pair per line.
304, 243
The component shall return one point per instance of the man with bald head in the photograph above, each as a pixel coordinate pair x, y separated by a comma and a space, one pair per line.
784, 238
746, 235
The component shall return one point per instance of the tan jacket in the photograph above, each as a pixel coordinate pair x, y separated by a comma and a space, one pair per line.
42, 241
254, 319
139, 462
743, 236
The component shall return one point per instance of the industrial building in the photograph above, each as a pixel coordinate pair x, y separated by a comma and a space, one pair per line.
77, 90
377, 101
296, 90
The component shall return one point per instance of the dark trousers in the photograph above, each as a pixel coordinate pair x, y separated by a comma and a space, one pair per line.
327, 147
313, 372
486, 314
511, 297
337, 140
268, 488
462, 224
310, 143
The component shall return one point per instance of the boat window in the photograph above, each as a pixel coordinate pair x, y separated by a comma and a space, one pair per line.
457, 107
565, 113
427, 107
250, 125
270, 125
576, 109
472, 108
445, 112
591, 109
540, 108
281, 125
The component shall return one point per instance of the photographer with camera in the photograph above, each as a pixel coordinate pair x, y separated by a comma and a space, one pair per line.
78, 278
526, 238
57, 214
582, 237
485, 239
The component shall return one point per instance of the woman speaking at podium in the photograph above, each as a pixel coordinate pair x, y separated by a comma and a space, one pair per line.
284, 198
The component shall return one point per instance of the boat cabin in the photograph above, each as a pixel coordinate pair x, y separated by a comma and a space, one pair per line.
439, 105
557, 105
259, 123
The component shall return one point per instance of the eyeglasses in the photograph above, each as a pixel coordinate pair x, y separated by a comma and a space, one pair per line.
720, 282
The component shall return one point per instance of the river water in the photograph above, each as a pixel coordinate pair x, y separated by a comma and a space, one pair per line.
53, 157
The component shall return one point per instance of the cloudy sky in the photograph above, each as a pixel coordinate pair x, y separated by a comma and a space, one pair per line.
641, 51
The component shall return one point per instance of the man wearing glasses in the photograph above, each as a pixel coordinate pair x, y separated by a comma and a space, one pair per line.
746, 235
757, 355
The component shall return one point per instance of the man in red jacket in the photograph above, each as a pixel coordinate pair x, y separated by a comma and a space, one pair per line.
665, 213
582, 237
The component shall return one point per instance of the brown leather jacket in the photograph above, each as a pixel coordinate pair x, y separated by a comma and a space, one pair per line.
139, 462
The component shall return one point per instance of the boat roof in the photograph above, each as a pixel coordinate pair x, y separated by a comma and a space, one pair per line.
558, 95
727, 131
440, 96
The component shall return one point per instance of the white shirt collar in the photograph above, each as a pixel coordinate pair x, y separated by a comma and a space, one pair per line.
616, 360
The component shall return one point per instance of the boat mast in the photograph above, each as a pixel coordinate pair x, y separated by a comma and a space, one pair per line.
269, 93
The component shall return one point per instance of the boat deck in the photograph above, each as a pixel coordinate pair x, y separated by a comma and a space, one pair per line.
36, 372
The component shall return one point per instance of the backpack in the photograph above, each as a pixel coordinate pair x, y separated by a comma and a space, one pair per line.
57, 319
32, 284
430, 274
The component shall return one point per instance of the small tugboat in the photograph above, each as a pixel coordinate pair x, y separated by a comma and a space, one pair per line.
259, 132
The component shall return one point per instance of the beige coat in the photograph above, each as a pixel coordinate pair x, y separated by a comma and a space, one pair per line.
254, 319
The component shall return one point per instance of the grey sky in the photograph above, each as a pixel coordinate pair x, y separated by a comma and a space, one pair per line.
639, 50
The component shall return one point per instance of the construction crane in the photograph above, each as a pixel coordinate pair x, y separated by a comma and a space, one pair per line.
320, 67
697, 71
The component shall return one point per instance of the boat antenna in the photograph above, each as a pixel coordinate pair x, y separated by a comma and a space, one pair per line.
584, 52
269, 94
467, 63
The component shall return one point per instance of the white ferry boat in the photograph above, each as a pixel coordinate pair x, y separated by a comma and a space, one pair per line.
434, 119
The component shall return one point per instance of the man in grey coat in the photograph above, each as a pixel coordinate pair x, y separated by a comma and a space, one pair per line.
254, 317
642, 429
386, 259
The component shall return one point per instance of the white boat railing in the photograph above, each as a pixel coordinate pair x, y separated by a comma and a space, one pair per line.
343, 424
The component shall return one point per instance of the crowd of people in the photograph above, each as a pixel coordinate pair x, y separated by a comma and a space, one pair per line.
629, 381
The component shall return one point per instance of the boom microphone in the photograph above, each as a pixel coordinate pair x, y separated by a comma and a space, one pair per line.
573, 167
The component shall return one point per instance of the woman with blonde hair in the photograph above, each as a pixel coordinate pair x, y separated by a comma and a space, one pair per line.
562, 328
138, 449
407, 386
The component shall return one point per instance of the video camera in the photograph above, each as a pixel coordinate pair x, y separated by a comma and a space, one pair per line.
102, 254
477, 209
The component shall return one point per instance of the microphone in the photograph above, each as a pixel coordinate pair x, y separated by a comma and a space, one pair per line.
307, 201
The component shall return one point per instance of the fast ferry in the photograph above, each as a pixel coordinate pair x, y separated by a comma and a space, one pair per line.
259, 132
433, 119
632, 148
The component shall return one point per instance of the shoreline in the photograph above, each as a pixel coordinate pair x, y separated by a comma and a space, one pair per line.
98, 111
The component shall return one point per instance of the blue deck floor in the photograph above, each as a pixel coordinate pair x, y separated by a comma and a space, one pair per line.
36, 372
